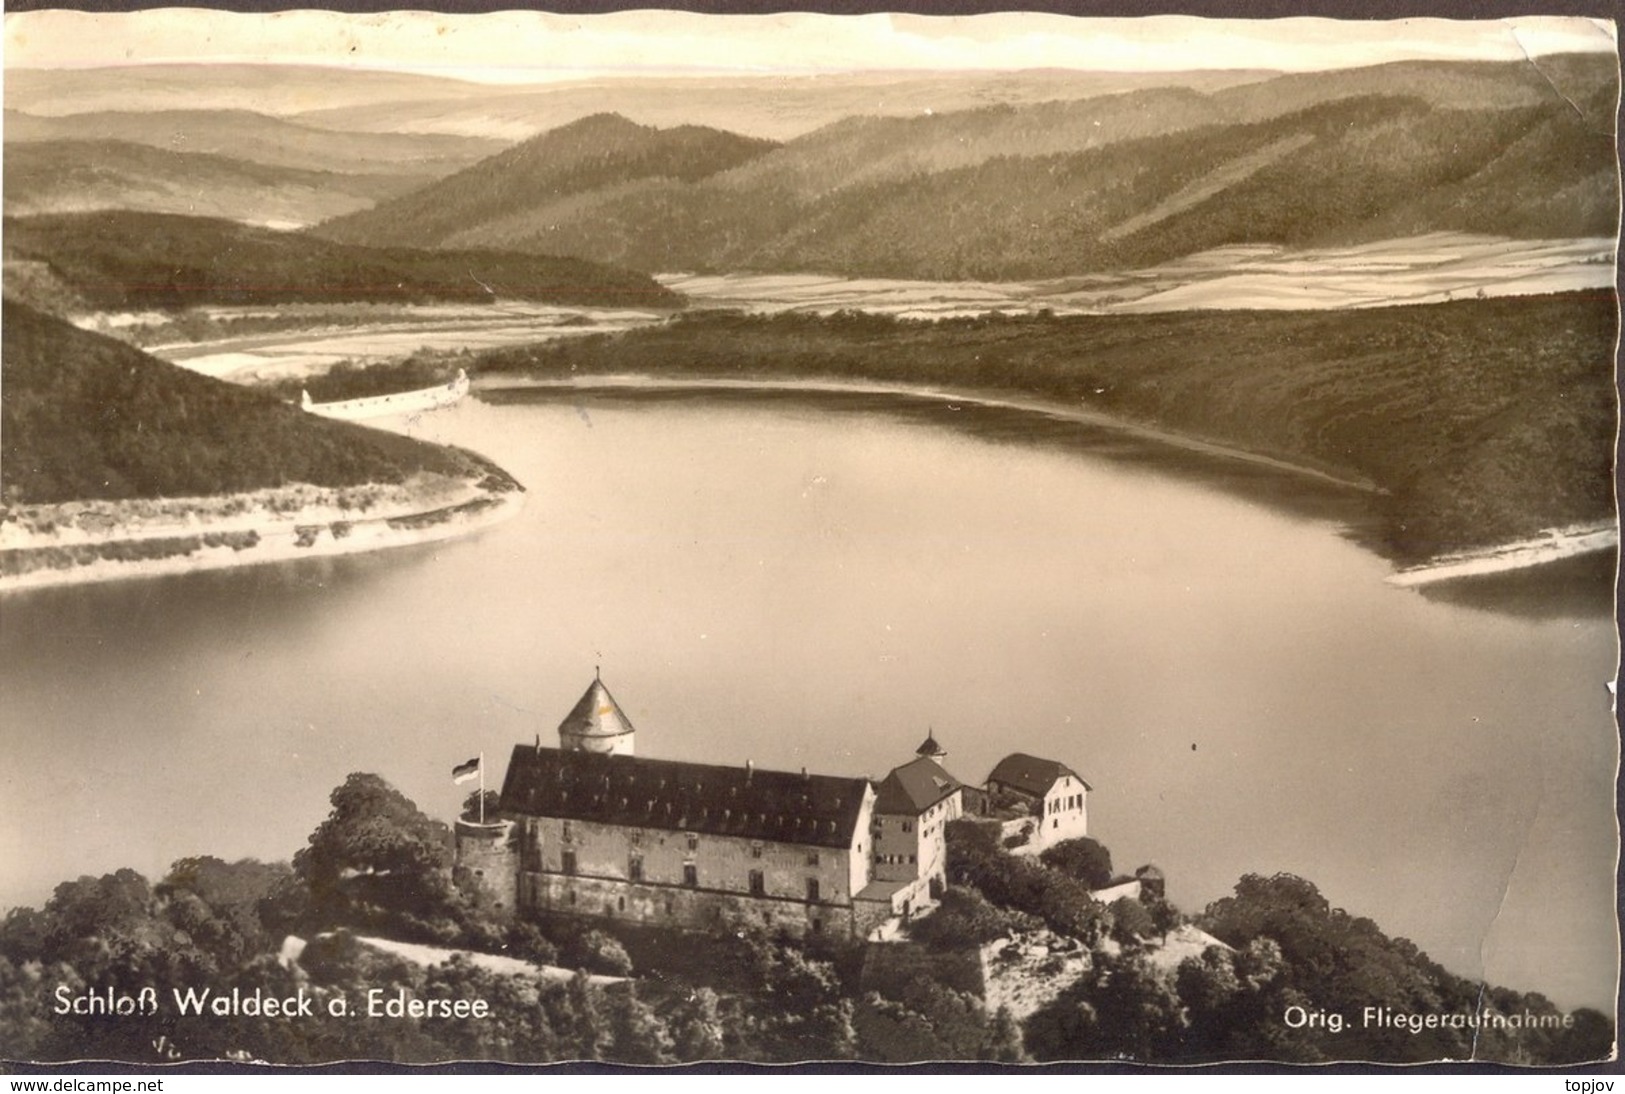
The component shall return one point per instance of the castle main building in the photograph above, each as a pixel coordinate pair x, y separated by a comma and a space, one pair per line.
591, 829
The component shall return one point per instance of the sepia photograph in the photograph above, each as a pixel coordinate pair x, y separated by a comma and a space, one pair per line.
659, 538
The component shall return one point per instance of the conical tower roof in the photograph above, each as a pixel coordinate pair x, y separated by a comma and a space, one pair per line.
930, 748
596, 716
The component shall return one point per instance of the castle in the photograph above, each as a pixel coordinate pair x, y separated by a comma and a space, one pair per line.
591, 829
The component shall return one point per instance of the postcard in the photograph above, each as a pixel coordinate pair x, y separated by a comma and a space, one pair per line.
657, 537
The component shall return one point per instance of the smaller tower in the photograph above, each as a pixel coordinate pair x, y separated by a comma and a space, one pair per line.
929, 747
597, 724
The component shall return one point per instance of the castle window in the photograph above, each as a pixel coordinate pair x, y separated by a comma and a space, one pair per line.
691, 875
755, 848
570, 897
906, 827
567, 836
634, 868
812, 857
693, 842
569, 862
818, 926
758, 884
622, 903
812, 890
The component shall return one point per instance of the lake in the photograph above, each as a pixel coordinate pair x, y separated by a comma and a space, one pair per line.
817, 580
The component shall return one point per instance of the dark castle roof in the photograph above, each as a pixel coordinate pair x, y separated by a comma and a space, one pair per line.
929, 747
596, 714
914, 787
708, 799
1031, 774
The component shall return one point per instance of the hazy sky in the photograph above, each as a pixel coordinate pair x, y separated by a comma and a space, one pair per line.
534, 46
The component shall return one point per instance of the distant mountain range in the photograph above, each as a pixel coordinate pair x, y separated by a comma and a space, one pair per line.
262, 139
281, 90
775, 107
991, 176
228, 163
1052, 189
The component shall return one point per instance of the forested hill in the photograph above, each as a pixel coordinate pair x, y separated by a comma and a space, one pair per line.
71, 176
1054, 189
597, 153
116, 260
88, 417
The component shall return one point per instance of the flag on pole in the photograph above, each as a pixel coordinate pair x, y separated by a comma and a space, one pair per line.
465, 771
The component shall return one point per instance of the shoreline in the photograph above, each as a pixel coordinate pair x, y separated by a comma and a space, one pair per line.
1081, 415
244, 533
1549, 545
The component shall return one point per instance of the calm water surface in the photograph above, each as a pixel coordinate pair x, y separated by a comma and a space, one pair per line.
802, 581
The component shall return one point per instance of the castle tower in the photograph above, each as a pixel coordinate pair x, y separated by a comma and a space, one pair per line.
597, 724
929, 747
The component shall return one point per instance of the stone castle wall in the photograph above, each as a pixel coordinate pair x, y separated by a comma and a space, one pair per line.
487, 868
686, 880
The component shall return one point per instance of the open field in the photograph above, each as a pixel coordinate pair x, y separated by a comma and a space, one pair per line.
1422, 270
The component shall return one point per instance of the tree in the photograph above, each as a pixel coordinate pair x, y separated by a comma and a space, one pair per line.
601, 953
526, 941
1062, 902
1139, 1014
1082, 858
806, 1013
588, 1029
1131, 922
637, 1033
1164, 916
1004, 1043
697, 1027
471, 806
921, 1019
377, 851
966, 918
218, 903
